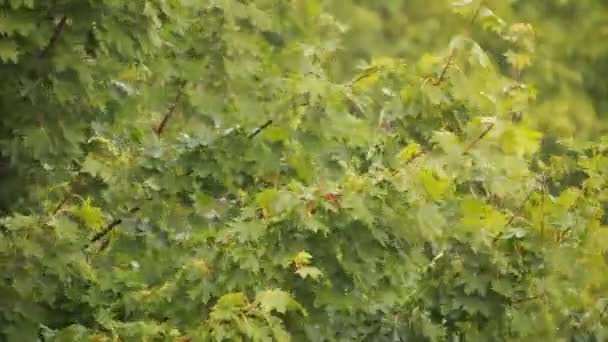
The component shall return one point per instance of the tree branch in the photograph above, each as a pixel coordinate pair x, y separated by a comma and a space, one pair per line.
521, 207
365, 74
56, 33
446, 67
110, 227
259, 129
479, 138
61, 204
161, 127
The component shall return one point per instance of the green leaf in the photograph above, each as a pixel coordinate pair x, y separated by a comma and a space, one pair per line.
95, 167
65, 228
480, 55
302, 258
275, 134
519, 61
407, 153
248, 231
434, 185
19, 221
277, 300
490, 21
309, 271
228, 305
8, 51
519, 141
90, 215
358, 207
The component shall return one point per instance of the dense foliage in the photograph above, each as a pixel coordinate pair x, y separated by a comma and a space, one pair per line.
566, 65
232, 170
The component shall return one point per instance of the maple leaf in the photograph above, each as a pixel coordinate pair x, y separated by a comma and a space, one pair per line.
277, 300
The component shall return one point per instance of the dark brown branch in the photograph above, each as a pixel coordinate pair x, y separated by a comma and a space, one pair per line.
56, 33
479, 138
110, 227
106, 230
161, 127
61, 204
260, 129
104, 244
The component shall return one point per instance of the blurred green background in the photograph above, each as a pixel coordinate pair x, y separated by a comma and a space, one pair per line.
568, 63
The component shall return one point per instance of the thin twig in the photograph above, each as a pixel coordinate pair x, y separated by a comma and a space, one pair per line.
527, 299
520, 209
466, 150
259, 129
409, 161
458, 123
61, 204
446, 67
604, 311
104, 244
479, 138
365, 74
450, 59
110, 227
542, 205
56, 33
161, 127
414, 157
476, 14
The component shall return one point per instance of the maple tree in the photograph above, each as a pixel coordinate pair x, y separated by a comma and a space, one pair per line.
271, 170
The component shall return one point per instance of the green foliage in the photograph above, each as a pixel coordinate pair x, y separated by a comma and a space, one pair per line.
269, 170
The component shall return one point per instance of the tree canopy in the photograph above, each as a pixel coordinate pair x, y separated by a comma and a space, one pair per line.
319, 170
